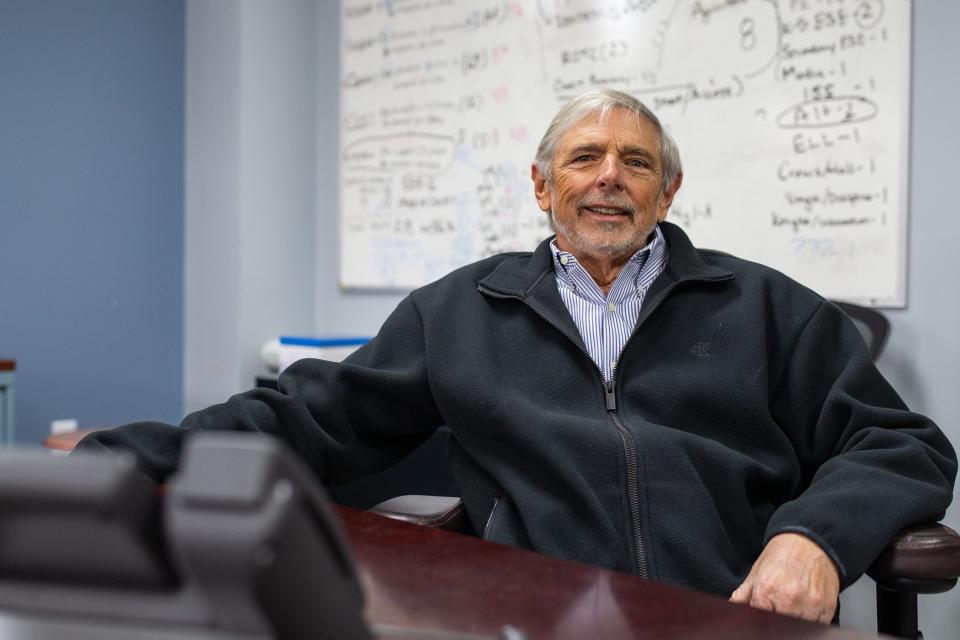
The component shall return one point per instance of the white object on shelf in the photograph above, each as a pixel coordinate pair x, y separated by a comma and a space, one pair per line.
293, 348
62, 426
270, 354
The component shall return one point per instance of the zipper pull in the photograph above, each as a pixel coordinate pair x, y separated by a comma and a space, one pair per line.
611, 396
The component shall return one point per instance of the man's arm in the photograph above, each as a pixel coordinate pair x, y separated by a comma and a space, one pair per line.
871, 466
347, 420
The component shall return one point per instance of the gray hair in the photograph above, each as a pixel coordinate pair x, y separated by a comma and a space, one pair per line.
603, 101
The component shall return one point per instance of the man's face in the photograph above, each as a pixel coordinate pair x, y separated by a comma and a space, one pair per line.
606, 188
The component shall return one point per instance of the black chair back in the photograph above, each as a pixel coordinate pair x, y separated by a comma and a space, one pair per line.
873, 326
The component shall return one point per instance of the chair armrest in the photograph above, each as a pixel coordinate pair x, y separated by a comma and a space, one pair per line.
920, 559
439, 512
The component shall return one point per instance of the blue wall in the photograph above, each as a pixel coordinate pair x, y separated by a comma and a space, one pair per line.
91, 209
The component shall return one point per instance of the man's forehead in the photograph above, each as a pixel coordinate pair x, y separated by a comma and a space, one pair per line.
620, 126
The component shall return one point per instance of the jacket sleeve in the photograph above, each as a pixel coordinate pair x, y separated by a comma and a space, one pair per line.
871, 467
346, 419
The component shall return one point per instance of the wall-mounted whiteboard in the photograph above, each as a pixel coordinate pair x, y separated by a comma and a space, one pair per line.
791, 117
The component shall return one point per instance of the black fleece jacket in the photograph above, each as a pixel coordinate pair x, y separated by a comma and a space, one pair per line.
744, 405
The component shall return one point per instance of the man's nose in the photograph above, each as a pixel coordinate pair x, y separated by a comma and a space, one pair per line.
609, 176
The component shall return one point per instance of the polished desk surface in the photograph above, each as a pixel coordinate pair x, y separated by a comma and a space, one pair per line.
427, 579
426, 584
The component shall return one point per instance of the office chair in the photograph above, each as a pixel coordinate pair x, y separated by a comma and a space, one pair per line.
873, 326
924, 558
919, 559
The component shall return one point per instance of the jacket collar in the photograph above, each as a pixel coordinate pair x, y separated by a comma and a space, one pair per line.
522, 276
530, 278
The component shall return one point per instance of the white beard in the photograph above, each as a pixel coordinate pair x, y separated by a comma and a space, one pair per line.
607, 243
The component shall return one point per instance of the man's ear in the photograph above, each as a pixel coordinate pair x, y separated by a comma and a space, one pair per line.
667, 198
540, 187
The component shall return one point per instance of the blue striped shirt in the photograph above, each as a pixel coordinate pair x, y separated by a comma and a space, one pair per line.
606, 321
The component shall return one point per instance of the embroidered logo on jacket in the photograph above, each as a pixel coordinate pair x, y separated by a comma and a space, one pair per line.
701, 348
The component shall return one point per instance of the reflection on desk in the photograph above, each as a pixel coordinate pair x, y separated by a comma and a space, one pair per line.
434, 580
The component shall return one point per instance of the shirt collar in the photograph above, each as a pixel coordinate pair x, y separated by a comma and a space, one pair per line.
565, 264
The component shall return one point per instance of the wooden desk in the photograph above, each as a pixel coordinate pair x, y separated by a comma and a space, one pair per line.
436, 585
418, 577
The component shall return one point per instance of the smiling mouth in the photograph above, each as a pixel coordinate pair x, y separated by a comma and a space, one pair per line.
607, 212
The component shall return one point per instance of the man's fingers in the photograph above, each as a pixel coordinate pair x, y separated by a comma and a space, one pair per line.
829, 610
764, 602
787, 597
742, 594
794, 577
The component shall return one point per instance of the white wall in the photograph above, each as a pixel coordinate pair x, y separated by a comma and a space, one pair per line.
250, 209
250, 72
211, 363
354, 313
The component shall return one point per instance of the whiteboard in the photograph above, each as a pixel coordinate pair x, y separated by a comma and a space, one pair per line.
791, 117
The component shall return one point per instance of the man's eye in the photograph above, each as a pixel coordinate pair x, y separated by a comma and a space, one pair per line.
583, 158
642, 164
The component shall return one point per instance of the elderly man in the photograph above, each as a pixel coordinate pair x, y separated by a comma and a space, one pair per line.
622, 398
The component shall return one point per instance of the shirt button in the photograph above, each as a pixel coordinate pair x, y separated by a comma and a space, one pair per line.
612, 306
564, 260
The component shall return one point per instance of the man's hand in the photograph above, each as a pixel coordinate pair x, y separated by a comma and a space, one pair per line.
792, 576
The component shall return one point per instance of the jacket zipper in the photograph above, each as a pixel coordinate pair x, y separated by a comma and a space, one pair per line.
633, 481
639, 559
641, 565
610, 402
